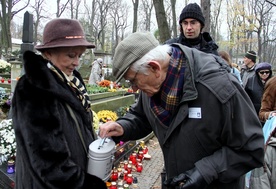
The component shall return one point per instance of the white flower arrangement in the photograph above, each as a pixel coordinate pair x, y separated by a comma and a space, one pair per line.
7, 140
4, 66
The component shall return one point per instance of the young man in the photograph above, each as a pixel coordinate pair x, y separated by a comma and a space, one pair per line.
248, 69
192, 21
205, 123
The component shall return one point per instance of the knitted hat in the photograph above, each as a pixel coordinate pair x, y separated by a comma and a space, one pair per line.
62, 32
263, 66
251, 55
131, 49
192, 10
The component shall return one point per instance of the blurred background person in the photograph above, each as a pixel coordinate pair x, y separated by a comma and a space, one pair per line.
248, 68
96, 72
255, 84
268, 105
234, 69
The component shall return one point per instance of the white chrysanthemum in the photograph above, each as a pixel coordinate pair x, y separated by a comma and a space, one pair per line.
7, 139
4, 64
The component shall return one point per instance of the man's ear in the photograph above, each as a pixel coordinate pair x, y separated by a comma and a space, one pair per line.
154, 66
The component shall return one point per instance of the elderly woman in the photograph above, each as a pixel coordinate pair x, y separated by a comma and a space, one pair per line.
51, 113
255, 84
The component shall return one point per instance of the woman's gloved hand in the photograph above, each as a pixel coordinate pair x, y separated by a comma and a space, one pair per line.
191, 179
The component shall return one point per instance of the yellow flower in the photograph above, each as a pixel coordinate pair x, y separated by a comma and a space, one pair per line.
105, 115
95, 121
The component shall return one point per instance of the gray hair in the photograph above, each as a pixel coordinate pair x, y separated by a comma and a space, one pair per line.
159, 54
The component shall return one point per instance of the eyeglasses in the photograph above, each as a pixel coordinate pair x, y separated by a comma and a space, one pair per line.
264, 72
133, 80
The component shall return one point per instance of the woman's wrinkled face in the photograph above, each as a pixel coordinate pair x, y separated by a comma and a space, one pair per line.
65, 58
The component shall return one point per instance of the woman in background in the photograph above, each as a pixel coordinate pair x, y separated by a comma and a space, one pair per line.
234, 70
255, 84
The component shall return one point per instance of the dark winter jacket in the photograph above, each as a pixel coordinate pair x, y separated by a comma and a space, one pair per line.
205, 43
255, 88
224, 140
49, 149
246, 73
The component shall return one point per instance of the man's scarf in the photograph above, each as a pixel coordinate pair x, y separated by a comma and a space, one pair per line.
166, 101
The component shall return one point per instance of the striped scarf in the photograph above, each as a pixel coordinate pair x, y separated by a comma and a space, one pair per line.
166, 101
75, 84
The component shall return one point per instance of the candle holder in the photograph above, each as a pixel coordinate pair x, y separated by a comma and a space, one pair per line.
11, 167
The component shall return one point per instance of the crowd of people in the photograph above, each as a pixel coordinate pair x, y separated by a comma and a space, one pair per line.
206, 112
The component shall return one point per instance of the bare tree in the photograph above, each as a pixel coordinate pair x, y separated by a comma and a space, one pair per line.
104, 7
135, 12
162, 23
214, 30
6, 16
147, 8
90, 14
263, 14
61, 7
74, 8
270, 2
38, 16
119, 13
205, 6
174, 21
250, 23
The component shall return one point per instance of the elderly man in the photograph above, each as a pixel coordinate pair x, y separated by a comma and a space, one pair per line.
205, 123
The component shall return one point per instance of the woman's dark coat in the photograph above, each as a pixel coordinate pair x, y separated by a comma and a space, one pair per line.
255, 89
49, 149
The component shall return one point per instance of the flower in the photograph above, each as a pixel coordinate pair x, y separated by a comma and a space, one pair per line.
104, 83
106, 115
95, 121
7, 140
5, 66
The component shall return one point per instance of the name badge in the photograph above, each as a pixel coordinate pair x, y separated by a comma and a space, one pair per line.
195, 113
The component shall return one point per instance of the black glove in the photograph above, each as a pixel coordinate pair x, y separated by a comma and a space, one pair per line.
191, 179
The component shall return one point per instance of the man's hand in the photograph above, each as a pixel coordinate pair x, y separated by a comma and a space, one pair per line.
110, 129
191, 179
